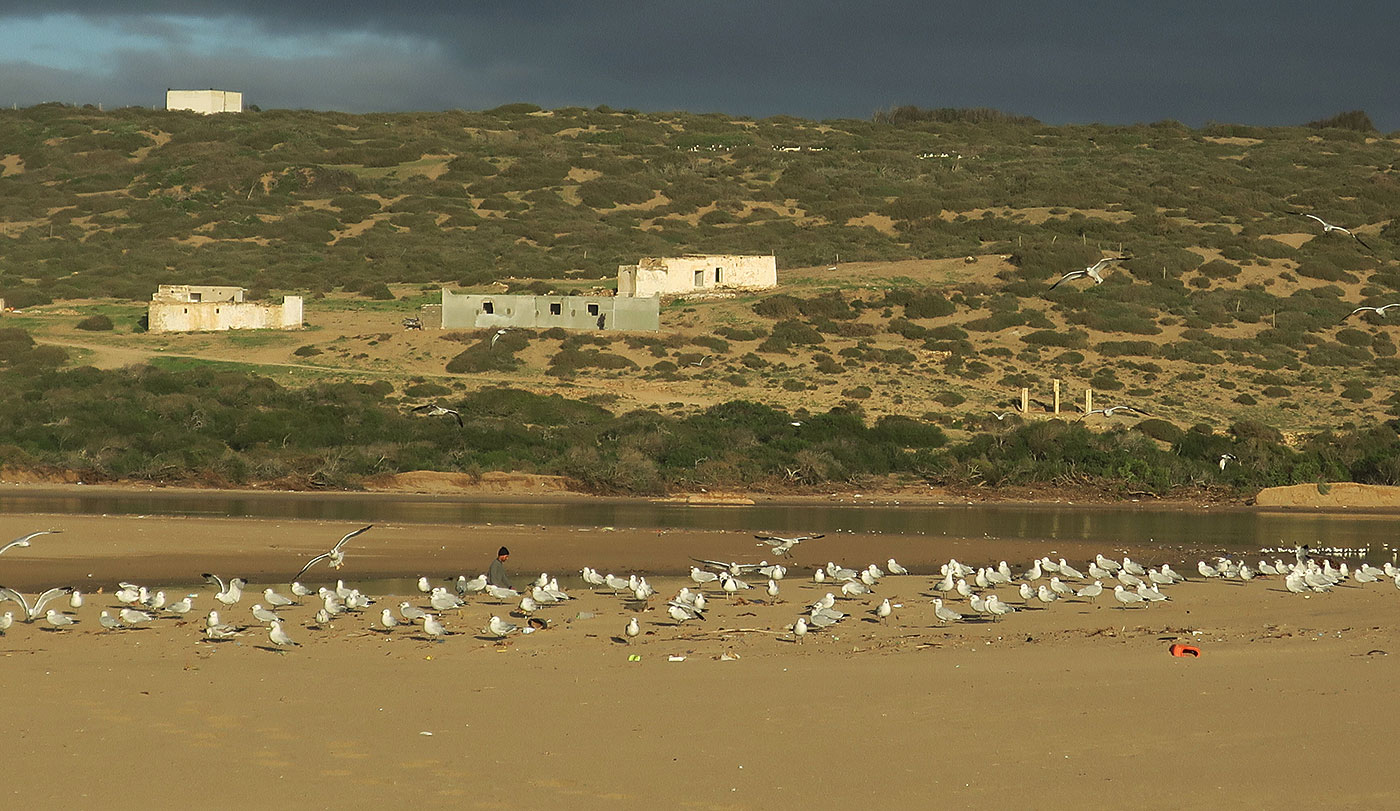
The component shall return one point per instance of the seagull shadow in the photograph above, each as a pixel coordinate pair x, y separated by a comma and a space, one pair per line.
619, 640
270, 648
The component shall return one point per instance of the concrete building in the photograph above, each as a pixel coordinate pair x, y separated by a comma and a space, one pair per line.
195, 308
205, 101
696, 274
474, 311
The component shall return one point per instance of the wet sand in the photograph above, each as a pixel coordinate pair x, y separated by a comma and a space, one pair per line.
1075, 703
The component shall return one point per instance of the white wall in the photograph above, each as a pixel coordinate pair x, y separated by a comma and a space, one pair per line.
205, 101
216, 316
682, 275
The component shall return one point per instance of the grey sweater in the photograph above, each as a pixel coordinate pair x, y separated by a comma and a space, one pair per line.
496, 575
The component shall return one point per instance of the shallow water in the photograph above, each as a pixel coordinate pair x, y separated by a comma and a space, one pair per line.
1224, 528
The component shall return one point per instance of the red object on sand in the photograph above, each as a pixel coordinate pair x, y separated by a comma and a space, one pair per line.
1181, 650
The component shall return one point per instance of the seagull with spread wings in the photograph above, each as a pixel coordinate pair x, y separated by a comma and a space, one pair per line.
32, 612
1328, 228
1112, 410
435, 410
24, 540
781, 546
1094, 271
1380, 311
336, 556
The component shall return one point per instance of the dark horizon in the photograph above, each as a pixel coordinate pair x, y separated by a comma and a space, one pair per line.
1059, 62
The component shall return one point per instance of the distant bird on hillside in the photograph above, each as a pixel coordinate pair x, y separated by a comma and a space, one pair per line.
435, 410
701, 362
497, 336
1112, 410
1380, 311
1225, 459
1003, 415
1094, 271
1328, 228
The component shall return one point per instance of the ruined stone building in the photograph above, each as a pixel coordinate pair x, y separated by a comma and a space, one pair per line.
696, 275
469, 311
207, 102
198, 308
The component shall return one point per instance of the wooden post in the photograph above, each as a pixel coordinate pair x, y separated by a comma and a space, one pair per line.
1088, 401
1025, 400
1056, 384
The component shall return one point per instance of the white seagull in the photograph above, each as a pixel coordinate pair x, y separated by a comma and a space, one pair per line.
435, 410
279, 637
781, 545
1225, 459
499, 628
24, 540
632, 629
1094, 271
32, 613
336, 555
1328, 228
498, 335
1112, 410
1380, 311
57, 620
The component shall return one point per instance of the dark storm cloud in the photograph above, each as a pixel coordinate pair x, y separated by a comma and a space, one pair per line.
1282, 62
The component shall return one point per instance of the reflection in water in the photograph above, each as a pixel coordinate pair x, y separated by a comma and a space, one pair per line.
1223, 528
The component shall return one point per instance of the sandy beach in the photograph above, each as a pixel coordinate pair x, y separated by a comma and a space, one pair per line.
1076, 702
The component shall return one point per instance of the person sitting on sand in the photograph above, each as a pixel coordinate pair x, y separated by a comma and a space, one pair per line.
496, 575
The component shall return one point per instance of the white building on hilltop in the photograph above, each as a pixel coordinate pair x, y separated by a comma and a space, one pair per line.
205, 101
697, 274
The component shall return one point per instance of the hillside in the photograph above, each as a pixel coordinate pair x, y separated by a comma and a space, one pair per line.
916, 256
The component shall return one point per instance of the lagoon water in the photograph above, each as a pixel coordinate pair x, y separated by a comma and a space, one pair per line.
1226, 528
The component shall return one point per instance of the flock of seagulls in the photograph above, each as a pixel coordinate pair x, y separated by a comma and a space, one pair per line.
958, 593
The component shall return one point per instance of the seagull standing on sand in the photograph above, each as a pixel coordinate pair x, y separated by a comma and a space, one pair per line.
1094, 271
1127, 598
799, 628
336, 556
279, 637
1328, 228
499, 628
57, 620
433, 628
632, 629
24, 540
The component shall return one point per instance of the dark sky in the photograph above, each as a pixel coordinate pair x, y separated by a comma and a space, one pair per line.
1117, 62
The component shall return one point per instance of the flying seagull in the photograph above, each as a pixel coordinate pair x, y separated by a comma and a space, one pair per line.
781, 545
1111, 410
1094, 271
1002, 415
1328, 228
435, 410
497, 336
24, 541
1380, 311
1225, 459
336, 555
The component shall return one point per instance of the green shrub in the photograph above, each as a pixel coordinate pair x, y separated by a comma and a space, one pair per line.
95, 323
